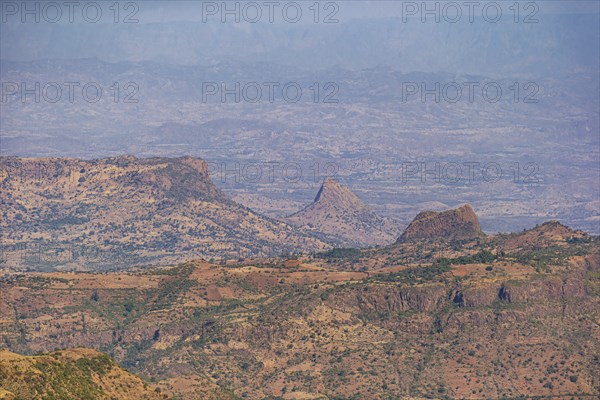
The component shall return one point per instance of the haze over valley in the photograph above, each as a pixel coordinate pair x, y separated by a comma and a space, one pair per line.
332, 200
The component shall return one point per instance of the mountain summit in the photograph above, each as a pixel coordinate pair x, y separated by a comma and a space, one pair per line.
455, 224
334, 194
338, 212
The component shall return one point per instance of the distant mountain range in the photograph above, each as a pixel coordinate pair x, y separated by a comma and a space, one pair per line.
369, 136
556, 44
106, 213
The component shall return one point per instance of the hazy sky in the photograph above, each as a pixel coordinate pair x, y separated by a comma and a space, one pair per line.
156, 11
352, 34
148, 11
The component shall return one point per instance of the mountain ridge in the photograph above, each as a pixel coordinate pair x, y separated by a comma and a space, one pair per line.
144, 209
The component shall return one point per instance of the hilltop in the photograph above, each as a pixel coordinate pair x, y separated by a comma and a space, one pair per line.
548, 234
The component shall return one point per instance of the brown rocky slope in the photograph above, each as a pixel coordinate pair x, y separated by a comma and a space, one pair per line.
457, 320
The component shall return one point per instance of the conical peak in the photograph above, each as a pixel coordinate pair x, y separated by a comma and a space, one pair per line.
331, 188
338, 212
466, 208
334, 193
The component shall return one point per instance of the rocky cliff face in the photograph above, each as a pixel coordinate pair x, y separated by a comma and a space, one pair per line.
433, 298
338, 212
456, 224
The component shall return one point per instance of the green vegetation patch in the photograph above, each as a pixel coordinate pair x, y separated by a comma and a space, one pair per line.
483, 257
341, 253
57, 379
414, 275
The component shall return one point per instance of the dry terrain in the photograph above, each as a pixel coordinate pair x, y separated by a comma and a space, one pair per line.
103, 214
81, 374
495, 316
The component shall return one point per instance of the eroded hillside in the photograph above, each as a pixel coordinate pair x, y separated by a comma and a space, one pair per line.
338, 212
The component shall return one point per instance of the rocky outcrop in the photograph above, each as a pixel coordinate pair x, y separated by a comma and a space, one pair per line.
541, 290
386, 299
177, 178
431, 298
456, 224
334, 194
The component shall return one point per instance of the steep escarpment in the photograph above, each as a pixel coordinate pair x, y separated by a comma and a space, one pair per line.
435, 297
